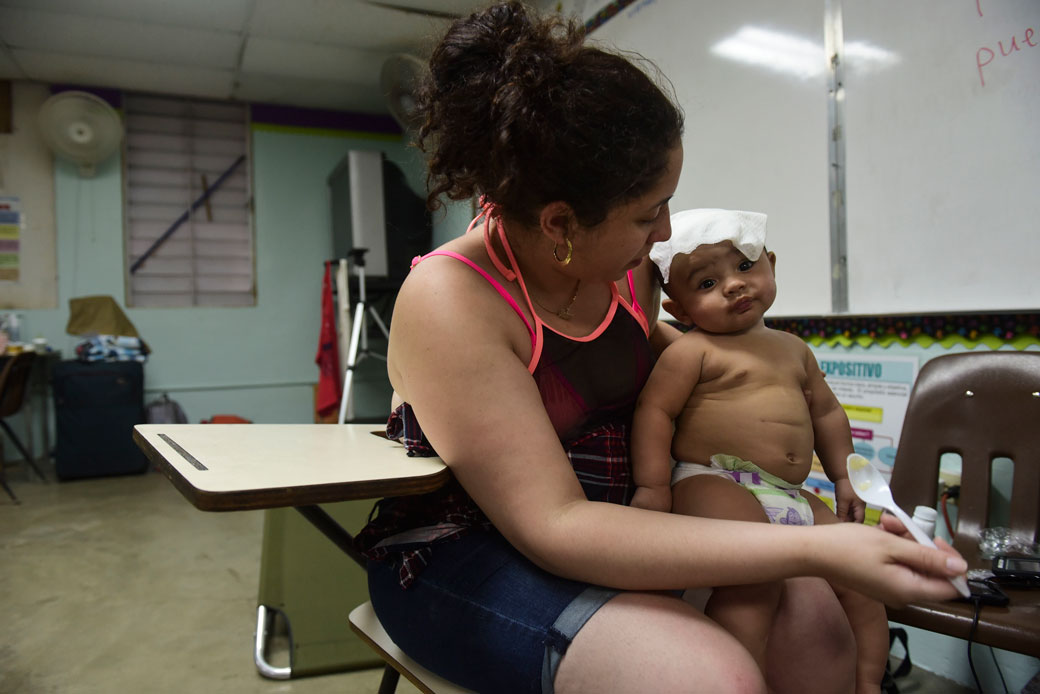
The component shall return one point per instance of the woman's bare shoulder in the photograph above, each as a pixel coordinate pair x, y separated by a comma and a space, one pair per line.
446, 311
441, 285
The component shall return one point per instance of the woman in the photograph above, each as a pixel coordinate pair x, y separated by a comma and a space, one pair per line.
518, 351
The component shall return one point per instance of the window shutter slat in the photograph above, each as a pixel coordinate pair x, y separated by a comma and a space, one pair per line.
174, 148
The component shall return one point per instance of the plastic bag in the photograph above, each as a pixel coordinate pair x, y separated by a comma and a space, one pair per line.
163, 410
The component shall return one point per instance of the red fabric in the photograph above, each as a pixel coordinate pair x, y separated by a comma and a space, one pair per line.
227, 419
329, 388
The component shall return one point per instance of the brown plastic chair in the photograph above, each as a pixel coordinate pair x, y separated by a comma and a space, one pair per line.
14, 381
980, 406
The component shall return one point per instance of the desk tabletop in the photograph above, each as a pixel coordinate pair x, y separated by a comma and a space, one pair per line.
235, 467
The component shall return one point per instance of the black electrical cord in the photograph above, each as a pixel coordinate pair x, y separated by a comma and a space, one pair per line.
993, 655
978, 601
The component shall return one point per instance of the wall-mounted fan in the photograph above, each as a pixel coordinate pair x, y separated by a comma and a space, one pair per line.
398, 79
80, 127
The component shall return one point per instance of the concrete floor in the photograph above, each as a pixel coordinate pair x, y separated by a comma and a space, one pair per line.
120, 585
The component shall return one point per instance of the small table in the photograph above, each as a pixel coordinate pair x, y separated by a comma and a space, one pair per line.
245, 467
240, 467
236, 467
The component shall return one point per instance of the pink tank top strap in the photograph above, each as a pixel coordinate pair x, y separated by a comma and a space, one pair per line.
508, 273
634, 308
491, 280
513, 271
487, 211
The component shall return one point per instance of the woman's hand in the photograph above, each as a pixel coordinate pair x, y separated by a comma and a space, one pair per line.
887, 565
893, 525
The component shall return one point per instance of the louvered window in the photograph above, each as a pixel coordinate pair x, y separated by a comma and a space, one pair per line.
188, 198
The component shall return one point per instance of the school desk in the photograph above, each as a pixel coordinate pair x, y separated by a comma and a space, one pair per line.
239, 467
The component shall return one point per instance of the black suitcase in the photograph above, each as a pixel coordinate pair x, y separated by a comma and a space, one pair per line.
96, 405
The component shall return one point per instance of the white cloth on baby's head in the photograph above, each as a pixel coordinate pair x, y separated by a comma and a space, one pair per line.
692, 228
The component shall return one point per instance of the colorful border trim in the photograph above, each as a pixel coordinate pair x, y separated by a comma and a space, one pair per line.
1018, 330
327, 132
323, 119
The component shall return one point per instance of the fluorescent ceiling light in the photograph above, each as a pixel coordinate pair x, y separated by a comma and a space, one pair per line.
793, 55
860, 54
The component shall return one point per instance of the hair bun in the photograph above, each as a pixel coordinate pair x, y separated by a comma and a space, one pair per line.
504, 45
516, 108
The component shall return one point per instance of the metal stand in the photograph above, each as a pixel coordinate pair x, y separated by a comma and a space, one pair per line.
26, 454
358, 336
264, 619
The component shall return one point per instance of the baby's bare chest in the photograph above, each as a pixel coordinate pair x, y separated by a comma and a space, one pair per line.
764, 367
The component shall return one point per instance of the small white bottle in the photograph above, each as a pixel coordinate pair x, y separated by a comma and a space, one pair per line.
924, 517
14, 329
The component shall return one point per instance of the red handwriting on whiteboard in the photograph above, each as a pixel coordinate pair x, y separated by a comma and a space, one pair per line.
986, 55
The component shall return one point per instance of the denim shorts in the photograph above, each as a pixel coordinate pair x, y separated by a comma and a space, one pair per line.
483, 616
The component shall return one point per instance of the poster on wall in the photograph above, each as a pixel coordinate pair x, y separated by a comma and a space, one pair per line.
28, 225
874, 392
10, 238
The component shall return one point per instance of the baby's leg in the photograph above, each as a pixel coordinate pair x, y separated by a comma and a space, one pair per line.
867, 617
745, 611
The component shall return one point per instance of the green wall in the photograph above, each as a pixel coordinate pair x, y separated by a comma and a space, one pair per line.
257, 362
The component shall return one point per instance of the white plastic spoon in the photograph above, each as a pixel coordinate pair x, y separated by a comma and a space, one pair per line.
872, 488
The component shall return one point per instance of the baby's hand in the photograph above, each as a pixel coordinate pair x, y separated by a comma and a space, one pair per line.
848, 506
653, 498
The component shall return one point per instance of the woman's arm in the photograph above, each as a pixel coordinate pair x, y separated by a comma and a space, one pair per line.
458, 356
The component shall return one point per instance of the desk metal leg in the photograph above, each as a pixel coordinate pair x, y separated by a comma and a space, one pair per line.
21, 449
332, 530
388, 685
345, 541
7, 488
264, 615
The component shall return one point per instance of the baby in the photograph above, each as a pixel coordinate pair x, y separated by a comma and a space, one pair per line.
741, 407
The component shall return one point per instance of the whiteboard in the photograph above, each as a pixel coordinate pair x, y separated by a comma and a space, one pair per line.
943, 157
756, 132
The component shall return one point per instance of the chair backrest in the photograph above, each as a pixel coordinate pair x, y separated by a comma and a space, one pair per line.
981, 406
13, 382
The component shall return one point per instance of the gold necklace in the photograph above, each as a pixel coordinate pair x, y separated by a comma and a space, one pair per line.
565, 312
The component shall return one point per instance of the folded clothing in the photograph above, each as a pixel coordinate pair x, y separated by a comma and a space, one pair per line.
111, 348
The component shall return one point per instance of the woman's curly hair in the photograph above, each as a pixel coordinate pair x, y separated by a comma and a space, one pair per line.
518, 109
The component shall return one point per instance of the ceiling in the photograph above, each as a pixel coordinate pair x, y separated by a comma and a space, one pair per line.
314, 53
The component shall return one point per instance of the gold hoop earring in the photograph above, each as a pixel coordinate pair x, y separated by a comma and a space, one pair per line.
570, 253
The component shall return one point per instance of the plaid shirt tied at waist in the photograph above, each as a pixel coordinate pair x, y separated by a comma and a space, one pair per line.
405, 529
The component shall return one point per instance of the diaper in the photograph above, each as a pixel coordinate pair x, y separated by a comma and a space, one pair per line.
781, 500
